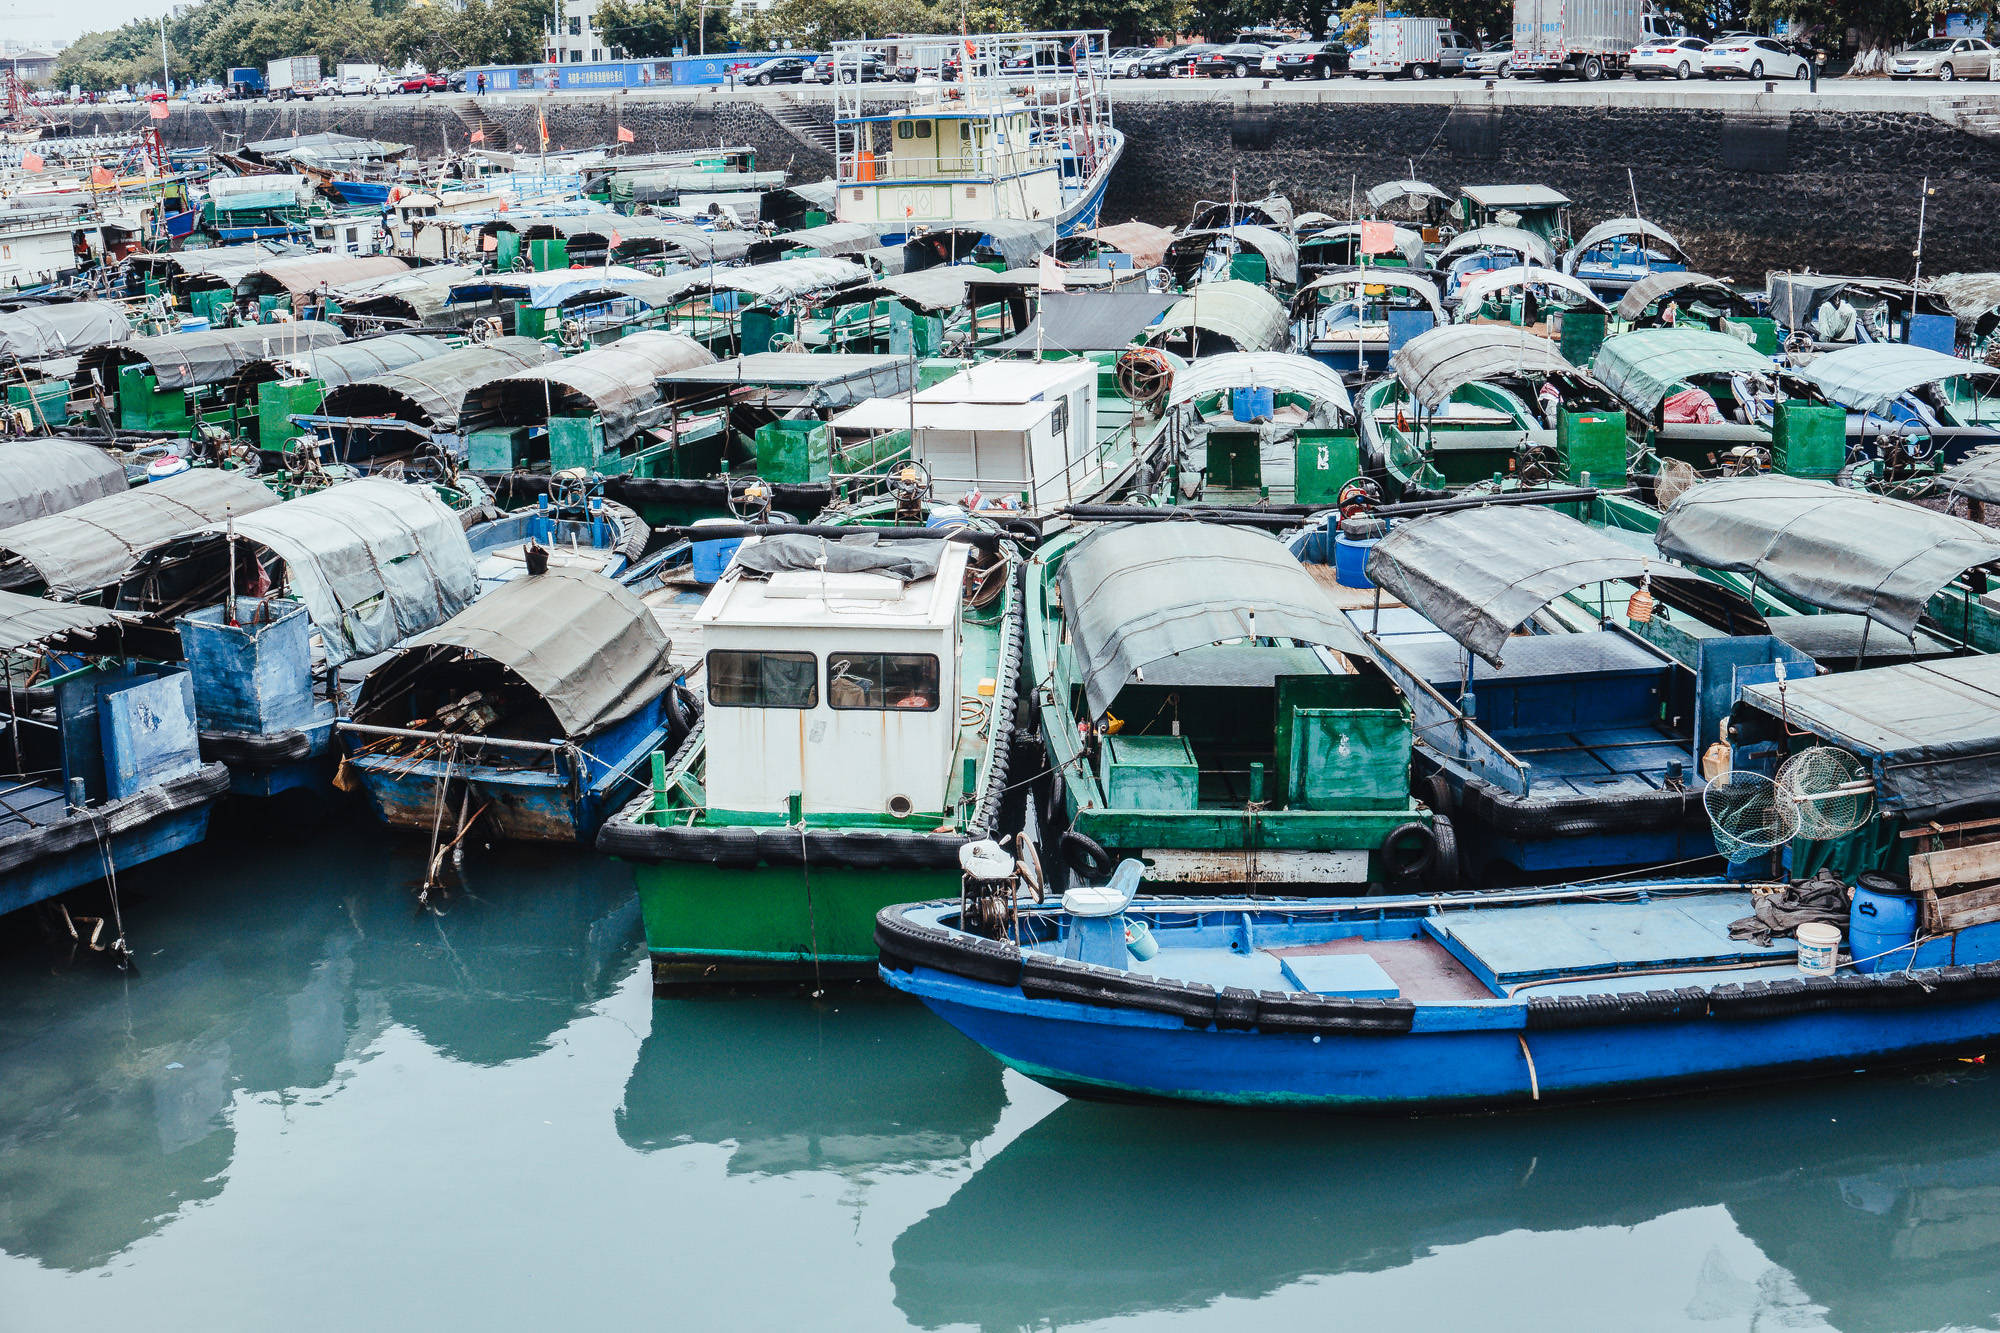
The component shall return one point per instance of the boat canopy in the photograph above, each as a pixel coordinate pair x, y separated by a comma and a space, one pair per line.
1408, 244
1243, 312
40, 476
1795, 297
1273, 210
373, 561
1828, 546
1643, 366
1478, 574
190, 360
1143, 241
1524, 243
616, 382
1281, 255
233, 194
299, 275
432, 394
343, 363
1285, 372
1869, 377
555, 287
1136, 593
1434, 364
782, 381
645, 235
1657, 286
1930, 729
1482, 285
417, 293
1403, 279
785, 280
325, 148
1976, 476
1615, 228
26, 622
1387, 193
931, 290
81, 550
1018, 241
1089, 321
1973, 297
592, 650
221, 265
834, 240
39, 332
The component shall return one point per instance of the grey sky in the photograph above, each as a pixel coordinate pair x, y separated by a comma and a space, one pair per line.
42, 21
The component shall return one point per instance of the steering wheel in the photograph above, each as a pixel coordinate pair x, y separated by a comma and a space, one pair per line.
1359, 496
749, 499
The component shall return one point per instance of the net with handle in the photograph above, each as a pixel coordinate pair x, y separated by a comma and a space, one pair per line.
1672, 481
1830, 788
1748, 815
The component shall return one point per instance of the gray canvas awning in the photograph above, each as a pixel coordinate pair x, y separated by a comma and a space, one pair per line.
1616, 227
1018, 241
28, 621
221, 265
836, 239
1828, 546
788, 380
1869, 377
1244, 313
1280, 253
345, 362
1355, 279
1972, 297
593, 651
1478, 574
81, 550
1930, 730
1481, 285
1976, 476
417, 293
1524, 243
785, 280
1405, 243
1145, 243
931, 290
191, 360
40, 477
1643, 366
616, 382
1381, 196
1655, 286
38, 332
1285, 372
1273, 210
373, 561
1089, 321
1136, 593
433, 394
1433, 365
296, 275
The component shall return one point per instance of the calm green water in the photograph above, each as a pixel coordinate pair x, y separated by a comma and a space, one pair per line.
316, 1109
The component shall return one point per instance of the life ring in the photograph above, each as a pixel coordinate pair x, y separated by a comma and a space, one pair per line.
1086, 855
1399, 862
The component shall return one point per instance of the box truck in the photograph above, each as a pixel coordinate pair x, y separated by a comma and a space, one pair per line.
1422, 48
1585, 39
293, 76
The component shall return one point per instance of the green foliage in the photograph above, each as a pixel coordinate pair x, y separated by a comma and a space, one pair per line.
646, 28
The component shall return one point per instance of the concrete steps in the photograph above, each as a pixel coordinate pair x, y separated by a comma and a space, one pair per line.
473, 116
799, 122
1977, 116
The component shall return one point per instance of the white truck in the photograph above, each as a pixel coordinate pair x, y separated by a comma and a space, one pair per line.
1422, 48
1584, 39
292, 76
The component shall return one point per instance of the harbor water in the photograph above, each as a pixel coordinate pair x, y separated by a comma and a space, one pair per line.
315, 1106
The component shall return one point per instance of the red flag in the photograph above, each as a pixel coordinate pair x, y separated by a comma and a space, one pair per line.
616, 239
542, 122
159, 111
1378, 238
32, 162
479, 136
488, 244
625, 135
99, 176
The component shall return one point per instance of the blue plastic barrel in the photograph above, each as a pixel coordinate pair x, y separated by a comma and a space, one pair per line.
1884, 917
1350, 560
948, 516
711, 558
1253, 404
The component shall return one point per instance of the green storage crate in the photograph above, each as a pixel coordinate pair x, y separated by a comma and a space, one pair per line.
1766, 330
549, 254
1326, 461
1582, 335
277, 400
575, 442
213, 305
757, 329
813, 218
144, 405
1592, 444
531, 321
500, 450
1345, 741
912, 334
936, 370
1249, 266
47, 401
268, 305
1235, 459
1150, 773
1808, 440
507, 249
793, 453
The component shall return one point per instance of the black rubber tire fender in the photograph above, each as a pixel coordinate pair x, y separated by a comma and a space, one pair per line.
1395, 865
1086, 855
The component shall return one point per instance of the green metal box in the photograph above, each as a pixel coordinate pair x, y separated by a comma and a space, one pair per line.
1592, 443
1766, 330
47, 401
575, 442
144, 405
794, 452
530, 321
1808, 440
759, 328
1249, 266
211, 305
1345, 741
499, 450
1150, 773
912, 334
549, 254
1582, 335
1327, 461
277, 400
507, 249
1235, 460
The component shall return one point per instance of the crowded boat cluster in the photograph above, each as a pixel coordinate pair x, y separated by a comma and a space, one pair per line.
1454, 653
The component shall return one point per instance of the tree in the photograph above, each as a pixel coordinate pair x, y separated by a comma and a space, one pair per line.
647, 28
1878, 25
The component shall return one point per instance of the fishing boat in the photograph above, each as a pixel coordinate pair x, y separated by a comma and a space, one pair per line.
1256, 427
1711, 402
568, 525
861, 683
1909, 404
1614, 256
1353, 321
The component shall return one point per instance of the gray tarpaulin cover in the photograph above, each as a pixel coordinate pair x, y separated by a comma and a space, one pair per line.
374, 561
433, 394
1931, 730
1481, 285
1828, 546
39, 477
189, 360
588, 647
785, 280
1525, 243
859, 554
1976, 476
931, 290
1477, 574
1616, 227
86, 548
1136, 593
1350, 279
1286, 372
1381, 196
1244, 313
835, 239
1656, 285
298, 274
1280, 252
1971, 296
1642, 366
1434, 364
422, 291
39, 332
617, 382
1405, 242
1018, 241
1868, 377
1089, 321
26, 621
347, 362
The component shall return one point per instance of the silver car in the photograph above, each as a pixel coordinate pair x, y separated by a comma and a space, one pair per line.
1944, 59
1493, 60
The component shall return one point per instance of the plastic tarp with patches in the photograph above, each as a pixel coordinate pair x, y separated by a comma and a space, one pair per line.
38, 332
1869, 377
433, 393
373, 561
1285, 372
1246, 314
1655, 286
41, 477
1829, 546
190, 360
616, 382
1433, 365
1642, 367
81, 550
27, 621
1136, 593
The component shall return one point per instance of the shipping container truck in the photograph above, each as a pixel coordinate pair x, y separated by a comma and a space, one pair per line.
294, 76
1584, 39
1422, 48
246, 81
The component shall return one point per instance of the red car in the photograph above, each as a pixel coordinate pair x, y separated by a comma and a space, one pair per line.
424, 83
156, 96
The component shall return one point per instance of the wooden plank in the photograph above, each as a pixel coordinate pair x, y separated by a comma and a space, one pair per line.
1979, 864
1967, 909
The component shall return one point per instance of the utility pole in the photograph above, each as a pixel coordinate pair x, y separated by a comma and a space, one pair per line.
166, 79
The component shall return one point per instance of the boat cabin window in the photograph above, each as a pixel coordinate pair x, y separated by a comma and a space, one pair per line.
881, 681
739, 679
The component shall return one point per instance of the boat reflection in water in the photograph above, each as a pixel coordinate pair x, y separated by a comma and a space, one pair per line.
261, 974
1880, 1198
861, 1083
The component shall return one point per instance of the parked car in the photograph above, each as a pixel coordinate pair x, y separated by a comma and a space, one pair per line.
1945, 59
1492, 61
351, 86
1305, 60
1753, 58
425, 83
1124, 62
1667, 58
1238, 60
157, 95
781, 69
455, 81
386, 86
870, 68
1173, 62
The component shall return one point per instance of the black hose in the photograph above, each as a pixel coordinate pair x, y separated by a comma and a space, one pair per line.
730, 531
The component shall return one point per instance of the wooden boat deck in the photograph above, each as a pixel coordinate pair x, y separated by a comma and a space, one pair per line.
1346, 598
673, 604
1422, 969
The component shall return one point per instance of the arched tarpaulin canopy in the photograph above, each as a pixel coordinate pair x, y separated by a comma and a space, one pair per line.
1616, 227
86, 548
373, 561
38, 332
1280, 254
211, 356
1136, 593
1478, 574
1829, 546
1434, 364
1481, 285
297, 275
1408, 245
1655, 286
616, 382
1401, 279
343, 363
432, 395
39, 477
1018, 241
1524, 243
1382, 196
1869, 377
785, 280
1976, 476
1285, 372
1643, 366
418, 294
593, 652
1242, 312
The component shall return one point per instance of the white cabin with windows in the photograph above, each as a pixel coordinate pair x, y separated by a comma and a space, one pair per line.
840, 687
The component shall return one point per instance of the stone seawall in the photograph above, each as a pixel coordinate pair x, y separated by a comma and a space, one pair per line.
1749, 187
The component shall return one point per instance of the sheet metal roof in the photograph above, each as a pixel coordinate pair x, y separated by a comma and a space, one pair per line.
38, 332
433, 393
1514, 196
1434, 364
39, 477
81, 550
1869, 377
1248, 315
617, 382
1642, 366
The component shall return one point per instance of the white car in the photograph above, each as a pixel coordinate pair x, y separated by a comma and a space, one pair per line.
1493, 60
1667, 58
351, 87
386, 86
1753, 58
1125, 60
1945, 59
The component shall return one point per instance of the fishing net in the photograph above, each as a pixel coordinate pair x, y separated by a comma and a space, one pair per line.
1672, 481
1748, 815
1831, 790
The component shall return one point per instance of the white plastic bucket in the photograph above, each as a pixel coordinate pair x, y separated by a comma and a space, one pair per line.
1819, 948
